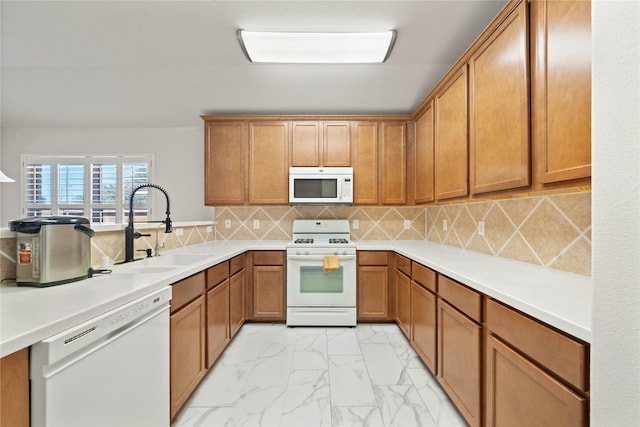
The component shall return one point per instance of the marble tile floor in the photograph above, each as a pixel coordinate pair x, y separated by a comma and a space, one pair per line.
271, 375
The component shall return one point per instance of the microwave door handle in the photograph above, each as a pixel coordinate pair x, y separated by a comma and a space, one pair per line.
339, 188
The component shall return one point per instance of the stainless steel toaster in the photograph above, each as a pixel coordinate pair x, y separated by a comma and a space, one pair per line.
52, 250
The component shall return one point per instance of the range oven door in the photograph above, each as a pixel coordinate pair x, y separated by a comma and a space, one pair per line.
309, 286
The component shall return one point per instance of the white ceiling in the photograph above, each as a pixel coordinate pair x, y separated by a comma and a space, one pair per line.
164, 63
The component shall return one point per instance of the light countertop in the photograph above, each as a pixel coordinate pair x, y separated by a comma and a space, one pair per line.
561, 299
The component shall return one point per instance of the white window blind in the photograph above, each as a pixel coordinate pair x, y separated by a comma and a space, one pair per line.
96, 187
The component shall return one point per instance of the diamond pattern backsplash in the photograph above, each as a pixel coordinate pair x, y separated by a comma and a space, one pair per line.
553, 231
550, 230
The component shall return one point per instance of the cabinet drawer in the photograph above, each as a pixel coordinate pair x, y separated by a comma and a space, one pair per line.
217, 274
423, 276
373, 258
403, 264
268, 258
464, 299
237, 264
555, 351
187, 290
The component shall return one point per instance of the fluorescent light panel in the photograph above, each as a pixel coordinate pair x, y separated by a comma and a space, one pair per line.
316, 48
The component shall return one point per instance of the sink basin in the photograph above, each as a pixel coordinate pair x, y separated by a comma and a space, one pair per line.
174, 259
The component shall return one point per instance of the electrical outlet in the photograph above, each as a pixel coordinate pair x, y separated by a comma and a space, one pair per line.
179, 231
209, 229
227, 223
355, 224
256, 224
480, 228
445, 225
407, 224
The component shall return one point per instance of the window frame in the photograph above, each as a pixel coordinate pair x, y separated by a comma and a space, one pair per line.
120, 205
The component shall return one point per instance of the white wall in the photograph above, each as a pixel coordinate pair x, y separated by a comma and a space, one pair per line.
615, 350
178, 153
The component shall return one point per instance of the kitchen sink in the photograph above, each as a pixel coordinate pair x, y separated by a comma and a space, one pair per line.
146, 269
174, 259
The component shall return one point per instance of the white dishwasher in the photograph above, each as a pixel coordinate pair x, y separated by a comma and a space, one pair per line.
110, 371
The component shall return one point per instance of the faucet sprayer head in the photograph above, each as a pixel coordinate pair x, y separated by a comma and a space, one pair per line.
168, 227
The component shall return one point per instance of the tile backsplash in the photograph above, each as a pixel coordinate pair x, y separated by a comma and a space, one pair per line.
549, 230
553, 231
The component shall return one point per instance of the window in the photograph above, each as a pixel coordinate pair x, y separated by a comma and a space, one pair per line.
96, 187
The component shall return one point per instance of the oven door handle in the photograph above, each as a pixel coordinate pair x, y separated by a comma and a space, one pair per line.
319, 257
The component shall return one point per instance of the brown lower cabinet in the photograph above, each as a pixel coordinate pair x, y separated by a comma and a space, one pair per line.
403, 294
207, 309
14, 389
269, 286
217, 321
459, 347
535, 376
237, 291
424, 314
188, 342
373, 286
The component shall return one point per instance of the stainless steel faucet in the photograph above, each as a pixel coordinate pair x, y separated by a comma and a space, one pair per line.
130, 234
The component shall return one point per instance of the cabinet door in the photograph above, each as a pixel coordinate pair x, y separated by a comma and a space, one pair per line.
373, 292
336, 138
14, 389
459, 344
225, 163
394, 163
403, 302
269, 162
188, 351
499, 107
217, 321
423, 156
561, 89
268, 292
519, 393
305, 144
451, 140
423, 324
236, 302
365, 163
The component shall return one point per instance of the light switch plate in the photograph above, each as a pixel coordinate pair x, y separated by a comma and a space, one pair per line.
227, 223
445, 225
256, 224
355, 224
209, 229
407, 224
179, 231
480, 228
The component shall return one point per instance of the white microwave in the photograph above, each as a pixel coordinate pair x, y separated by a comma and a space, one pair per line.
320, 186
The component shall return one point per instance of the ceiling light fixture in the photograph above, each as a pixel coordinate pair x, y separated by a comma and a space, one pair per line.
317, 48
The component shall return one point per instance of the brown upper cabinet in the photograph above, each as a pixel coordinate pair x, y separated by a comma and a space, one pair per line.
336, 143
365, 163
269, 162
225, 163
393, 159
422, 156
561, 89
316, 143
499, 107
451, 137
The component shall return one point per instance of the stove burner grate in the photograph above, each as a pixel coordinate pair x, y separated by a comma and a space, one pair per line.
303, 241
338, 241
